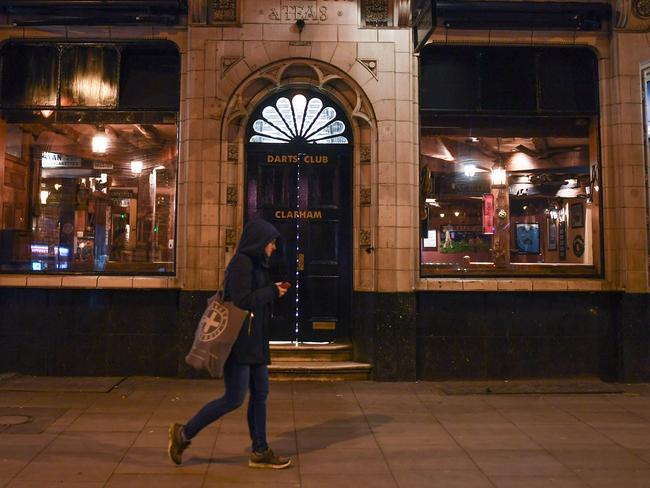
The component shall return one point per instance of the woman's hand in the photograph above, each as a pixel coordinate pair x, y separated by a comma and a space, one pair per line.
281, 290
282, 287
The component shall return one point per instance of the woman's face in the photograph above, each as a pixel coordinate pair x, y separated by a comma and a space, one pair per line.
270, 248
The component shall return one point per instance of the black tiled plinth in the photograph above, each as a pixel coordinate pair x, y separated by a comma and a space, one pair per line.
519, 335
93, 332
405, 336
384, 334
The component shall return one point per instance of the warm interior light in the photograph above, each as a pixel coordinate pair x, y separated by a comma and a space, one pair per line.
44, 195
442, 215
432, 201
46, 113
456, 213
136, 167
470, 169
499, 176
100, 142
57, 186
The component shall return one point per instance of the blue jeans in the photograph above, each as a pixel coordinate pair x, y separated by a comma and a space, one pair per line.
238, 379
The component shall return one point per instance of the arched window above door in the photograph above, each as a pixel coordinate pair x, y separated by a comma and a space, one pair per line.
299, 120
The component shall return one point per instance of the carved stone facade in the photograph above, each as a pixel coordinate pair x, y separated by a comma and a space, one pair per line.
223, 11
376, 13
631, 15
214, 12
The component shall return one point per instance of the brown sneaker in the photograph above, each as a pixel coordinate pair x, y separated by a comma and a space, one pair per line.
176, 444
267, 459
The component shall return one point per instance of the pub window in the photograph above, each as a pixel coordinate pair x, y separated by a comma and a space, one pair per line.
509, 162
88, 170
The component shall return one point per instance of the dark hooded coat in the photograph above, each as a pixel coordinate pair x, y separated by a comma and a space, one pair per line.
248, 285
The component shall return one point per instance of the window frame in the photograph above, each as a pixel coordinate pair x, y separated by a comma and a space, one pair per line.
16, 113
596, 268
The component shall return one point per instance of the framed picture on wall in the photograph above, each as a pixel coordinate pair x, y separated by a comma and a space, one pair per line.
551, 244
527, 238
577, 215
453, 241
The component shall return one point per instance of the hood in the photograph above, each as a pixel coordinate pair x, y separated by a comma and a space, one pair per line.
256, 235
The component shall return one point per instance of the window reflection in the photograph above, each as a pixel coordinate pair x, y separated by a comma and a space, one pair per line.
67, 208
507, 196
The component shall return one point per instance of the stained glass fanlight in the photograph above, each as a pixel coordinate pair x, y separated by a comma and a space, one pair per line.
299, 120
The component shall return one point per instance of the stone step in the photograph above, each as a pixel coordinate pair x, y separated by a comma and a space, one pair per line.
311, 352
319, 371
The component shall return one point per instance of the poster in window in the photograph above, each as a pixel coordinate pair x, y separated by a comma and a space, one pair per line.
527, 238
431, 241
551, 245
488, 213
561, 239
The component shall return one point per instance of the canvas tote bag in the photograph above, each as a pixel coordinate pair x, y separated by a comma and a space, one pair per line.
216, 333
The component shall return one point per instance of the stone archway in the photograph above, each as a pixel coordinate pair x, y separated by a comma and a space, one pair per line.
304, 73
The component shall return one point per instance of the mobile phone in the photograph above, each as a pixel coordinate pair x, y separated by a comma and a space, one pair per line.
285, 284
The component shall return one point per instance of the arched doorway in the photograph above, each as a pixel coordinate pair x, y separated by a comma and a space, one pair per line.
298, 177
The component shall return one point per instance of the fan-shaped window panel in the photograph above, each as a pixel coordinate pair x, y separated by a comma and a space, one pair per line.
299, 120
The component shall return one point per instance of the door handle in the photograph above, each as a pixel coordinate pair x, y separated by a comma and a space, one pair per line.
301, 262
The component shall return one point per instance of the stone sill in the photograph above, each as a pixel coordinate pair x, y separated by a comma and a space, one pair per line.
88, 282
508, 285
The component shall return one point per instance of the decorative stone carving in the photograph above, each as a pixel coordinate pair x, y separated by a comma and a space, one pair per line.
228, 62
631, 15
323, 74
233, 152
232, 195
641, 8
365, 240
223, 11
376, 13
370, 65
364, 153
231, 240
365, 197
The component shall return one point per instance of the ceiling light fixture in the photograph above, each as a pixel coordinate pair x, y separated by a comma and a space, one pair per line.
136, 167
470, 169
100, 141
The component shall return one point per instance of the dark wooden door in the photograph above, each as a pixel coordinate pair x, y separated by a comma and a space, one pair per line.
304, 190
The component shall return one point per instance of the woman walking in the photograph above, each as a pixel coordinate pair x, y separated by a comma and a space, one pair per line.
248, 285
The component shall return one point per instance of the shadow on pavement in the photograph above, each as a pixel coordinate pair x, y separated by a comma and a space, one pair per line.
316, 437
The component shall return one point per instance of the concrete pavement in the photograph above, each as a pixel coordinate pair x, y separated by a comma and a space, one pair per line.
346, 434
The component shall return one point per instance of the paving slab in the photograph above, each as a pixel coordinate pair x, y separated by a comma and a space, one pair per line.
392, 435
97, 384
